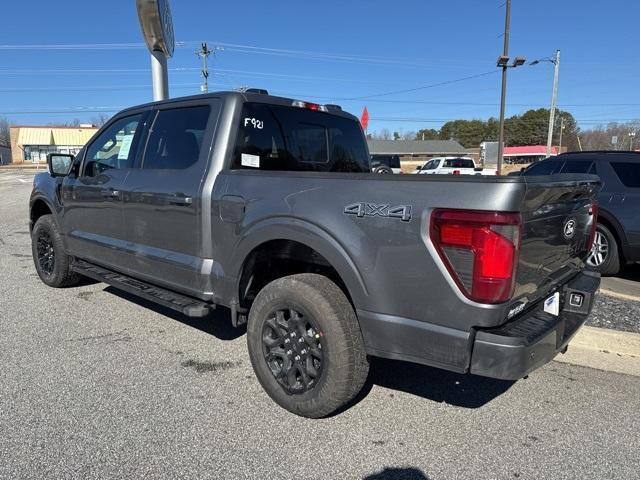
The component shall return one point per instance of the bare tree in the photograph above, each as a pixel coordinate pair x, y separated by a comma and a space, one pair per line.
100, 120
5, 139
602, 137
383, 134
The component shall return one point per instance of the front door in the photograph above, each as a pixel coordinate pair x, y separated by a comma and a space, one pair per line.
92, 221
162, 199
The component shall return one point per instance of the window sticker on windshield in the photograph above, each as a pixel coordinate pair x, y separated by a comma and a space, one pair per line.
125, 146
253, 122
248, 160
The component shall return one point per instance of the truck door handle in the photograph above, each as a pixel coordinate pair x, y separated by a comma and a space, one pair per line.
111, 193
180, 200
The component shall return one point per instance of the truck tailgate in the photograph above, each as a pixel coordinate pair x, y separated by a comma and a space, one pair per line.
557, 216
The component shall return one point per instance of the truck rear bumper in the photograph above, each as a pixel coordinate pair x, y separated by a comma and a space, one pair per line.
520, 346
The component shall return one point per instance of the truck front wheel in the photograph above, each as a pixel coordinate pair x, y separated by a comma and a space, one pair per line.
305, 345
51, 261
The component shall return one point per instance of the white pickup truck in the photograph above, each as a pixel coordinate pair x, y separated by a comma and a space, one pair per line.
453, 166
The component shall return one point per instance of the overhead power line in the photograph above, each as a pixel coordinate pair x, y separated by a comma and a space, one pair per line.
424, 87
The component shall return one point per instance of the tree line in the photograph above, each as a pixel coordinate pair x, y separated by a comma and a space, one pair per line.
529, 128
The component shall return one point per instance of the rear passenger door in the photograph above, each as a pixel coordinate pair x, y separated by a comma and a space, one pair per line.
163, 197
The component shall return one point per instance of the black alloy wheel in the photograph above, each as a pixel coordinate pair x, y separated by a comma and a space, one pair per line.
46, 253
292, 348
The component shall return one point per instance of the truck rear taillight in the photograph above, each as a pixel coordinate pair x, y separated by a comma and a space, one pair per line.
456, 172
480, 250
593, 211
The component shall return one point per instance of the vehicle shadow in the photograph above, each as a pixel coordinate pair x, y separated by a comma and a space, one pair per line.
461, 390
217, 323
467, 391
392, 473
630, 272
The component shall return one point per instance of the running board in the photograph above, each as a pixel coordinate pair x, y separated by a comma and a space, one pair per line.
188, 306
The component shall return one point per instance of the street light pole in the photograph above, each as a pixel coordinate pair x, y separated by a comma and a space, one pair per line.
503, 94
554, 99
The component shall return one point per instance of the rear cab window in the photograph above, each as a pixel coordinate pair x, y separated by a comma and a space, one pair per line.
459, 163
276, 137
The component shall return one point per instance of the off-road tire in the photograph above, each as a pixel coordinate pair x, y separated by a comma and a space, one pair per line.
60, 274
344, 362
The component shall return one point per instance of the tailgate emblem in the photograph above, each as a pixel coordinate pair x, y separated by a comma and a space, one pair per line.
569, 228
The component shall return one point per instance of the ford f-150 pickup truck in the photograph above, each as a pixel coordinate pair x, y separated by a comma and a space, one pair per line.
267, 206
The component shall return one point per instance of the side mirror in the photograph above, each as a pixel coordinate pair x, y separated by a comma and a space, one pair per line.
418, 167
59, 164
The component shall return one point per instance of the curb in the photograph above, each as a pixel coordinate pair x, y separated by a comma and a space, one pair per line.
621, 296
614, 341
604, 349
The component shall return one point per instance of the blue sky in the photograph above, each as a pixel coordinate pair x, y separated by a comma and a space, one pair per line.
331, 52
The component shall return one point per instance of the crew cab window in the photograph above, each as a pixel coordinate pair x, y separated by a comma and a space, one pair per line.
545, 167
577, 166
628, 173
459, 163
115, 148
175, 138
275, 137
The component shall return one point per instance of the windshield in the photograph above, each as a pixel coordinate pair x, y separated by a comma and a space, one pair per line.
275, 137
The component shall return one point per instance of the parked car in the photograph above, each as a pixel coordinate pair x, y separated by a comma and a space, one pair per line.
267, 206
385, 163
617, 239
452, 166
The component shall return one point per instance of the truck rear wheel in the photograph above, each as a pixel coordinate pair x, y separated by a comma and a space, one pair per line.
305, 345
52, 263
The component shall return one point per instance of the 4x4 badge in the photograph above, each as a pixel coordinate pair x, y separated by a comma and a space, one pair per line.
364, 209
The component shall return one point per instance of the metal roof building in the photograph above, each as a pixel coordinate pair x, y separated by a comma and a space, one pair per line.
30, 144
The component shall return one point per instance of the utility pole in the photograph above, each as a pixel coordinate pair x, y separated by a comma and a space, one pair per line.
561, 130
204, 53
503, 95
554, 99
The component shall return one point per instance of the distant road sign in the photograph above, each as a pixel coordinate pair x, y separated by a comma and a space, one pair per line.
614, 140
157, 25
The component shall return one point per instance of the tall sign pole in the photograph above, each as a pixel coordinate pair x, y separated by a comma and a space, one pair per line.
554, 100
503, 93
157, 29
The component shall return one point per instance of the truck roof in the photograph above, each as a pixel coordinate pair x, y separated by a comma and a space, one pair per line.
247, 96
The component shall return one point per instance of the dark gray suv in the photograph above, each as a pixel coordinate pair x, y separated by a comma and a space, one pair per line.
617, 238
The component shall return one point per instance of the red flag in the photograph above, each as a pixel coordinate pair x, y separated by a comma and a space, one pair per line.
364, 120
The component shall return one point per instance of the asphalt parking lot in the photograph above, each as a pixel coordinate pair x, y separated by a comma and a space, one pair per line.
96, 384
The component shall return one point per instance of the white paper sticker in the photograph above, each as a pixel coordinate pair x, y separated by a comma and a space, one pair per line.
250, 160
552, 304
125, 146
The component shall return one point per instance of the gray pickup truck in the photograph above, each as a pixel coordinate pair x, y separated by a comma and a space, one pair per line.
267, 206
